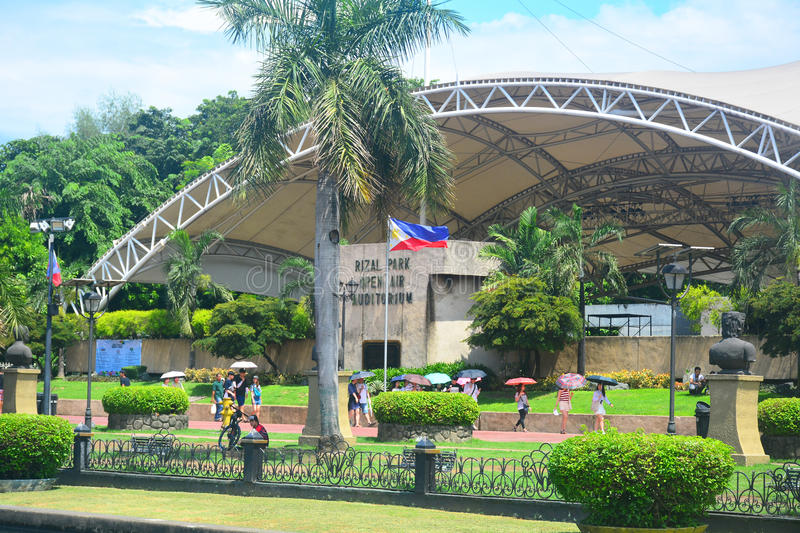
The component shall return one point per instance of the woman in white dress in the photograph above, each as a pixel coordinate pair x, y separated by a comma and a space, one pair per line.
597, 407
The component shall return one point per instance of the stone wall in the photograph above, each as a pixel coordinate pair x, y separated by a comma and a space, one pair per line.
137, 422
403, 432
162, 355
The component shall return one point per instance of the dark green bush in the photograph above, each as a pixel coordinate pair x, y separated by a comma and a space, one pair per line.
779, 416
135, 371
429, 408
641, 480
33, 446
145, 400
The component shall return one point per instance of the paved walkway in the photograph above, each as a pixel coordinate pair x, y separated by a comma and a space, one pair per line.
492, 436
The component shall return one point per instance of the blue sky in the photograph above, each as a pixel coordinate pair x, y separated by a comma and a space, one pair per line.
55, 56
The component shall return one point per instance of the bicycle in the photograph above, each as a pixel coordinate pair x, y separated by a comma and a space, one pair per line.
230, 434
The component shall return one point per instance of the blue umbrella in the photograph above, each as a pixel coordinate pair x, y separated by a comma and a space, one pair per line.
401, 377
361, 374
437, 378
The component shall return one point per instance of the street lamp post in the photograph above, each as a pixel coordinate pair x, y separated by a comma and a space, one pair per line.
673, 279
49, 227
91, 305
346, 291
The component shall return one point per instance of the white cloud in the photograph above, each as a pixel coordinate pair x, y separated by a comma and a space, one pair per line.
196, 19
703, 35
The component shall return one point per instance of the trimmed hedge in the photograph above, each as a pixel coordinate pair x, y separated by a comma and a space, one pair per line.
427, 408
779, 416
33, 446
135, 371
145, 401
641, 480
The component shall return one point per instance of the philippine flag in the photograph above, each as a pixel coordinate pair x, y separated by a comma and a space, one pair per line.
407, 236
53, 272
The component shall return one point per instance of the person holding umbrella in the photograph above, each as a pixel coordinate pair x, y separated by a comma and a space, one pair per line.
352, 401
598, 398
565, 384
522, 406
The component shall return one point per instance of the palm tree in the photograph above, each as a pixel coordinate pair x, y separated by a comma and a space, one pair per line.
303, 284
525, 250
778, 241
185, 277
14, 308
576, 257
333, 63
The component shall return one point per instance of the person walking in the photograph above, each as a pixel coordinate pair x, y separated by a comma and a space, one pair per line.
522, 406
353, 402
364, 400
240, 386
255, 396
217, 391
598, 409
178, 383
565, 406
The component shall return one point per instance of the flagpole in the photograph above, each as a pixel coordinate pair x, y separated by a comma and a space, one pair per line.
386, 309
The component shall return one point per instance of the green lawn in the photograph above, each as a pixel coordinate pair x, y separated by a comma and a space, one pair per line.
285, 514
626, 402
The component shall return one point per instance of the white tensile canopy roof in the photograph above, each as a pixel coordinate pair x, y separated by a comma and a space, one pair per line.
671, 156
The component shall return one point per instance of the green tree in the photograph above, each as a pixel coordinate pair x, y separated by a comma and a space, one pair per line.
185, 276
303, 284
217, 121
15, 312
518, 314
113, 112
700, 299
774, 314
248, 326
333, 64
776, 243
577, 257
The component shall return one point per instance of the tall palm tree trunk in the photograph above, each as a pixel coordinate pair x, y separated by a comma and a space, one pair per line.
326, 281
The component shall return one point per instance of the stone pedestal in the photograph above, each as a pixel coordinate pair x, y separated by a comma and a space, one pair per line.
19, 395
312, 429
734, 420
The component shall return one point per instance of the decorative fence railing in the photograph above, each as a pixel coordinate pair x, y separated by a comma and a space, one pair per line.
772, 492
515, 478
346, 468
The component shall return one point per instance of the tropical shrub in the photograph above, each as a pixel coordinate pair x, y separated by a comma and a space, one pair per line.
426, 408
641, 480
156, 324
200, 323
33, 446
145, 401
779, 416
702, 298
204, 375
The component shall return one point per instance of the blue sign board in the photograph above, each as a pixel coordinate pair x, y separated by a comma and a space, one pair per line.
112, 355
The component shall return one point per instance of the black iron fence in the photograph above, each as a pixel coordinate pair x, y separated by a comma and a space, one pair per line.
772, 492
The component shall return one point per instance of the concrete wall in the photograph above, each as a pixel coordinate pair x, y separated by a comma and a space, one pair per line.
161, 355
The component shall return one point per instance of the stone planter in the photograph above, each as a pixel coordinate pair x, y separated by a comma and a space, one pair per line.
400, 432
781, 446
156, 422
585, 528
26, 485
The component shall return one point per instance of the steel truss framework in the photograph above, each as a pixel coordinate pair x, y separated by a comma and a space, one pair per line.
684, 145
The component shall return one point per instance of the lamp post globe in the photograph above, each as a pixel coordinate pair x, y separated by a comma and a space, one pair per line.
674, 274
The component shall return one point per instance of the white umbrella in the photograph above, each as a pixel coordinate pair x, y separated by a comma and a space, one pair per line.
244, 364
173, 374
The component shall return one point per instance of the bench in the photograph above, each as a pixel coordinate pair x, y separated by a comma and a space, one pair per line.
791, 483
444, 461
159, 445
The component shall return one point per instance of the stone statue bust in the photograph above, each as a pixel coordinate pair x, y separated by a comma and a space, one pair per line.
18, 354
732, 354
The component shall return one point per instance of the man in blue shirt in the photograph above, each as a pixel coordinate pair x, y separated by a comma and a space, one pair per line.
240, 383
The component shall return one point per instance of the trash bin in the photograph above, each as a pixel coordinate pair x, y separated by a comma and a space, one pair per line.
53, 403
702, 412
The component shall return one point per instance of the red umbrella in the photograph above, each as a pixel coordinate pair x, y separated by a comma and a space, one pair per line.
416, 378
520, 381
570, 381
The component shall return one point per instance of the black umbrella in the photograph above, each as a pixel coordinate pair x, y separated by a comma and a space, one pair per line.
602, 379
471, 373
